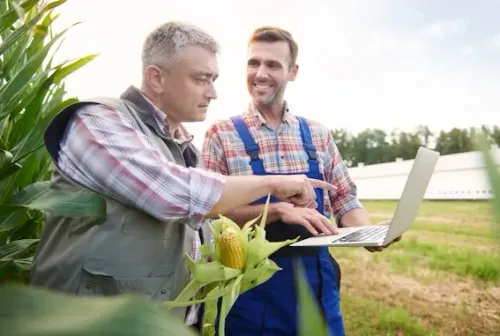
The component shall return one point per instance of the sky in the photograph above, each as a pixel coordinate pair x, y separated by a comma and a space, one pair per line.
362, 63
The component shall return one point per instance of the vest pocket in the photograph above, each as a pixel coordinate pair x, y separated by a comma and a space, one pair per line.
105, 278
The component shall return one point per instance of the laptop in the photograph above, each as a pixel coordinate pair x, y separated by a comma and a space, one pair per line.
404, 215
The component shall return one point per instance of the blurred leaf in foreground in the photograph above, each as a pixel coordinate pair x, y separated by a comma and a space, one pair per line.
492, 170
28, 311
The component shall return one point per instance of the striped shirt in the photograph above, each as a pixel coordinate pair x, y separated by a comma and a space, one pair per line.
282, 152
106, 152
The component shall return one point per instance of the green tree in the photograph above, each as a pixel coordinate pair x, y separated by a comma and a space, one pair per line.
455, 141
343, 141
406, 144
495, 135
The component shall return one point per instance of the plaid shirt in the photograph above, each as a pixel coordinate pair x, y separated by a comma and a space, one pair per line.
282, 152
108, 153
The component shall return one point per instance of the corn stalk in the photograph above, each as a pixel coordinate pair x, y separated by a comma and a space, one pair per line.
31, 92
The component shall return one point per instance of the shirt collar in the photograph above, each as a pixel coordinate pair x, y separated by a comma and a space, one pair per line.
259, 119
181, 135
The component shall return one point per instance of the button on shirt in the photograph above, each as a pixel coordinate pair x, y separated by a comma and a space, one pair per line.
102, 147
282, 151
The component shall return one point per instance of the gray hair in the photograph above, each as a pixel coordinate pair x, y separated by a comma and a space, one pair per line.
164, 43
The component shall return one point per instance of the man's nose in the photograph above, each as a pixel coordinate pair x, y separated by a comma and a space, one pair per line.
262, 71
211, 92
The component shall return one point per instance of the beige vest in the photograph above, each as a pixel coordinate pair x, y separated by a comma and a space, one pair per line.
130, 251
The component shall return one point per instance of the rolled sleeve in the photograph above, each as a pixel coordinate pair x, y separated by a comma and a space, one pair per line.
344, 199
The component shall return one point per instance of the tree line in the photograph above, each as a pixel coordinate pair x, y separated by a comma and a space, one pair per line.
373, 146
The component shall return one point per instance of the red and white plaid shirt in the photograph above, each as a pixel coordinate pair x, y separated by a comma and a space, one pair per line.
282, 152
104, 151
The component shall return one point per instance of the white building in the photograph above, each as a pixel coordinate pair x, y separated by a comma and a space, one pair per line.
457, 176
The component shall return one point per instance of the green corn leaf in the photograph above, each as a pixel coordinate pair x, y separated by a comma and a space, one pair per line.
492, 170
11, 220
207, 249
12, 250
311, 321
15, 59
260, 274
41, 197
211, 271
259, 248
264, 215
22, 79
228, 301
215, 293
18, 33
64, 71
248, 225
188, 292
40, 33
6, 159
6, 269
28, 120
11, 16
10, 170
39, 312
209, 318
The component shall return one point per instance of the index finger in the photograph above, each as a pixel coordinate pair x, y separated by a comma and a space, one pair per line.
322, 184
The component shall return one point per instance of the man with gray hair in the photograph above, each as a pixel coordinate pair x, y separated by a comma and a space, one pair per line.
134, 152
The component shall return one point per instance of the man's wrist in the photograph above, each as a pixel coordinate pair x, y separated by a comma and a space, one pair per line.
270, 183
276, 210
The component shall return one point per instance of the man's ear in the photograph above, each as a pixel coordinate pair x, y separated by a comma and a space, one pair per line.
153, 78
293, 72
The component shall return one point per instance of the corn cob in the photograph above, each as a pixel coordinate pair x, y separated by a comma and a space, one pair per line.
231, 249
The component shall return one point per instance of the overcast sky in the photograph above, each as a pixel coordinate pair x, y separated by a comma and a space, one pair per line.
363, 63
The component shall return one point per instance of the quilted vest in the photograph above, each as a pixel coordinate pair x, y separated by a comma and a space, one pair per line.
128, 252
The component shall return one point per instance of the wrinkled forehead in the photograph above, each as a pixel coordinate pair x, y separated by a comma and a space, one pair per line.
198, 60
262, 51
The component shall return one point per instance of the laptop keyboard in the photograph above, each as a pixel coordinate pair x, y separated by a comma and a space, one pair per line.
372, 233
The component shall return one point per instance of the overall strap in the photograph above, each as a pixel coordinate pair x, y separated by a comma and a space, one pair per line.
308, 145
251, 147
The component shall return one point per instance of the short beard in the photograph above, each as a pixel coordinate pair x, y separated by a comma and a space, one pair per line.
276, 98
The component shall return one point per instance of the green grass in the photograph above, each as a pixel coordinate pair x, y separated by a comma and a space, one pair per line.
478, 209
407, 254
475, 232
445, 274
369, 317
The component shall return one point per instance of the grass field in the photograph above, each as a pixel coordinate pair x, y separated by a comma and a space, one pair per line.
442, 278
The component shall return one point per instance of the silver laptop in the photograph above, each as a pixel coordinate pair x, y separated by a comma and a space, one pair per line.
406, 211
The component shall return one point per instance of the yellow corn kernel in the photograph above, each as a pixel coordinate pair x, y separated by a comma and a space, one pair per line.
231, 249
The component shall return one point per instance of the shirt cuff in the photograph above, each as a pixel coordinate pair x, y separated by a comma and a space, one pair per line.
351, 203
205, 191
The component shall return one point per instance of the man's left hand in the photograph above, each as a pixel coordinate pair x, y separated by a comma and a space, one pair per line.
381, 248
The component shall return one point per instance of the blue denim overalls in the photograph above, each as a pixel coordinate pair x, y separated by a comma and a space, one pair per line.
271, 309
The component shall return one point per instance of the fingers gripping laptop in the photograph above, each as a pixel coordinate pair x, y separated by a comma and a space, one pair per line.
406, 210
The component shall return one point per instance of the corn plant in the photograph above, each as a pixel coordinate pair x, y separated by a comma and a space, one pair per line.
235, 262
31, 92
